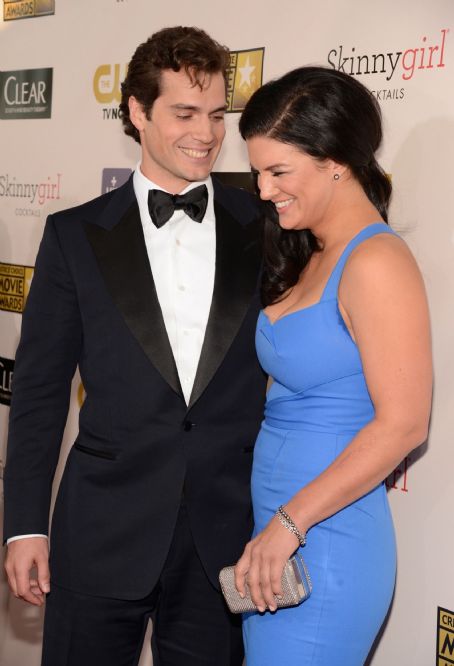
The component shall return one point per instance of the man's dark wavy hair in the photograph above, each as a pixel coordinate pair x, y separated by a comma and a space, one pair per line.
187, 48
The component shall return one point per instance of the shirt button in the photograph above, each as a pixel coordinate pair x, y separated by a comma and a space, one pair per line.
178, 242
181, 287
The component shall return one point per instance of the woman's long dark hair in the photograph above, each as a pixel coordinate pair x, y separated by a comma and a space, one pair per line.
328, 115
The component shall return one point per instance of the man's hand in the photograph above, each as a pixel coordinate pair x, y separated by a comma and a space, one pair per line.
22, 556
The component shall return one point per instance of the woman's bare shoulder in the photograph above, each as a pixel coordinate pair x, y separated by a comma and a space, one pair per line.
385, 258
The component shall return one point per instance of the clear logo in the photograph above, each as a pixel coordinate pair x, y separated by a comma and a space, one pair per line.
26, 93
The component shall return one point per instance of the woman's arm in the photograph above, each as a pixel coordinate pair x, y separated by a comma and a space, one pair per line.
382, 299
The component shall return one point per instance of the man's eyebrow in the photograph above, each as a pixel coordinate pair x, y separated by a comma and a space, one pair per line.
191, 107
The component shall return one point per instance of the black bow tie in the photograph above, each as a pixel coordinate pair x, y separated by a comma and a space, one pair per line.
162, 204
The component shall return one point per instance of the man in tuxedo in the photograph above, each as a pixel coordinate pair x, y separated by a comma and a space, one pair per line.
151, 290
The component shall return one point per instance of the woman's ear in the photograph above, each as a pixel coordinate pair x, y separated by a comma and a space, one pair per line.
335, 169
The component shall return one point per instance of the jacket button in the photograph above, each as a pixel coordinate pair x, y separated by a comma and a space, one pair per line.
187, 425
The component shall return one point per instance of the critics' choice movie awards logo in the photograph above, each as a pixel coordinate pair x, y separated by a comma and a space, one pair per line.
81, 395
113, 178
19, 9
395, 66
14, 286
244, 77
30, 194
26, 93
445, 637
6, 380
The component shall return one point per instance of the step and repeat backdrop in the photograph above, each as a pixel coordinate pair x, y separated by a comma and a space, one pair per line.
61, 143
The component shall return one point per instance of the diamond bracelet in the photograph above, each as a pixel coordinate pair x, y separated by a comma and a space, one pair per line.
288, 523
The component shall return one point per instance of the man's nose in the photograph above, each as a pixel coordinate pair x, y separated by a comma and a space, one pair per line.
203, 130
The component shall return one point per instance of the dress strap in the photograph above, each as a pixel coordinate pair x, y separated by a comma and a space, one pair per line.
331, 288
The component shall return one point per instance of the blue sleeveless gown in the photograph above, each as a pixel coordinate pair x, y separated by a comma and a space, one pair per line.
316, 404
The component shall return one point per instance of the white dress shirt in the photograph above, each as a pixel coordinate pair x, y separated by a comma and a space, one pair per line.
182, 256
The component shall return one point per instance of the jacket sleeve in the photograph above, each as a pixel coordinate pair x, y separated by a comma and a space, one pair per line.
46, 359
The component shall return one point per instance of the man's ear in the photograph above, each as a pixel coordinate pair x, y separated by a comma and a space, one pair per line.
136, 113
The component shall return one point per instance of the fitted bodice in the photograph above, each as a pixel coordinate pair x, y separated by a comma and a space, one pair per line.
318, 379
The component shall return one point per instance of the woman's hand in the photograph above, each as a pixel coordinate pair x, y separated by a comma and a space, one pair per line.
262, 563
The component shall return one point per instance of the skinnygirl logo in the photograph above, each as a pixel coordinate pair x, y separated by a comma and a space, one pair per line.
399, 63
36, 193
398, 479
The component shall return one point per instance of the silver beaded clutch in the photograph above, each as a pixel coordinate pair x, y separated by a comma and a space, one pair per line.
296, 587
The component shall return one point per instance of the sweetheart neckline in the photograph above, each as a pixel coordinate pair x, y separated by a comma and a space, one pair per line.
386, 229
289, 314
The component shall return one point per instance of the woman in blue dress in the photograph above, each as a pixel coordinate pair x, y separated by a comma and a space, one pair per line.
344, 337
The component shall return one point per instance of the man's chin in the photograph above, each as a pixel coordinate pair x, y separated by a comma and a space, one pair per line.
197, 174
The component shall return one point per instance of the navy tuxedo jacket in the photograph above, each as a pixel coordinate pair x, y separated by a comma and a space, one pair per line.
140, 448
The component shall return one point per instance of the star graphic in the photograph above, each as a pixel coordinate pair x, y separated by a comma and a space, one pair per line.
246, 72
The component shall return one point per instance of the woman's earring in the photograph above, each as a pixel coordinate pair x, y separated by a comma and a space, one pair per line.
336, 176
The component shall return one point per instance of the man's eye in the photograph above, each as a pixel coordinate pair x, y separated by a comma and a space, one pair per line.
185, 116
277, 173
218, 118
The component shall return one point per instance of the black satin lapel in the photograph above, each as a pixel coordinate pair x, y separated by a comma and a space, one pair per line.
122, 258
238, 261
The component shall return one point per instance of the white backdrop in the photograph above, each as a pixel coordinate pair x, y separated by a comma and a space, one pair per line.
404, 51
